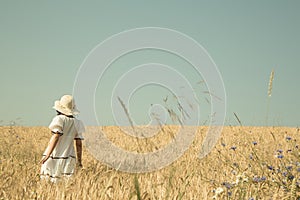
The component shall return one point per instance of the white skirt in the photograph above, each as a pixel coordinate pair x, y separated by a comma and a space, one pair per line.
58, 167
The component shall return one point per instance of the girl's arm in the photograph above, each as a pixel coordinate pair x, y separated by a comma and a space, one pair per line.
50, 148
79, 152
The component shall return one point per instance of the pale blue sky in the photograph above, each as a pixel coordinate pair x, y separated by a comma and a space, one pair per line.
44, 43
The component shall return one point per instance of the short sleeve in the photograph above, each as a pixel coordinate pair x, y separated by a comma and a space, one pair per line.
79, 130
57, 124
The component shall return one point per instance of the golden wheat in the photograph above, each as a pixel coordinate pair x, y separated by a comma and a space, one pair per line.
247, 162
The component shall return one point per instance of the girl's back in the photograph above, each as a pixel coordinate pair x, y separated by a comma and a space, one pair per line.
70, 128
59, 158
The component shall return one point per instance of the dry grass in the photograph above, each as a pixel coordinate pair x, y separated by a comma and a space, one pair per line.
247, 162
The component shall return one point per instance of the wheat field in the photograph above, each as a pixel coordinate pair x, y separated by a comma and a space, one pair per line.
247, 163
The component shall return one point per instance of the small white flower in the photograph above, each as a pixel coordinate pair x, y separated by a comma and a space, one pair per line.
219, 190
241, 178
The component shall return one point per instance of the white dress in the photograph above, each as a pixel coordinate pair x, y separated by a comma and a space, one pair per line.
62, 161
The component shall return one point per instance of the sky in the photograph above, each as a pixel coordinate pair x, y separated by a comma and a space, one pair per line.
45, 43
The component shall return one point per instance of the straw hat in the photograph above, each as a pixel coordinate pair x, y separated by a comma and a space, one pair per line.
66, 105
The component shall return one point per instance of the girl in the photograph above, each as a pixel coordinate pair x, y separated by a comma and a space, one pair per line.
59, 157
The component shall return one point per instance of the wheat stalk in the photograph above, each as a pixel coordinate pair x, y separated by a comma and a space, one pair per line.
238, 119
137, 188
271, 83
293, 193
126, 112
269, 93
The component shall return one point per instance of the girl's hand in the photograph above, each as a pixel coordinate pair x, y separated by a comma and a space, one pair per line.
50, 148
44, 159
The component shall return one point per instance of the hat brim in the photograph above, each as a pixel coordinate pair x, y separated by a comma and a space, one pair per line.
57, 106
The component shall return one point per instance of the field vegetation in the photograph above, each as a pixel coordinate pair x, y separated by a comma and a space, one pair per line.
247, 163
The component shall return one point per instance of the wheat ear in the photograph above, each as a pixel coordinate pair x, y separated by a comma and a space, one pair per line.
271, 83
